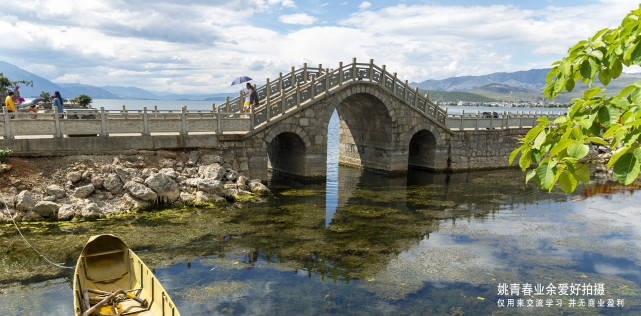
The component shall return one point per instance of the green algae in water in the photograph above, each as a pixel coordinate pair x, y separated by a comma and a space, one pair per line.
217, 290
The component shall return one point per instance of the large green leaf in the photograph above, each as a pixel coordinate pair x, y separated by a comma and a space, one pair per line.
608, 115
582, 172
586, 69
604, 77
567, 182
626, 169
560, 146
513, 154
530, 174
539, 140
577, 150
526, 160
545, 175
616, 69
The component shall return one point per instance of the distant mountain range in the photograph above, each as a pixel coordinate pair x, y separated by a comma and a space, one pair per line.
71, 90
502, 86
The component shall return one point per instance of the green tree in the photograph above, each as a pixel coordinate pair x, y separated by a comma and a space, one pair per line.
46, 97
84, 100
7, 85
558, 147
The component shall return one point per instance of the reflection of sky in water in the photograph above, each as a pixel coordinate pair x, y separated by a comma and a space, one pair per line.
331, 185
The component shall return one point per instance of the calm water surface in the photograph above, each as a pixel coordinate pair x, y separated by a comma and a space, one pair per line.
365, 244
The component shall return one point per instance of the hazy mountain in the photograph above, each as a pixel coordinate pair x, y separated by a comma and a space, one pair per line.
77, 89
455, 96
530, 79
130, 92
15, 73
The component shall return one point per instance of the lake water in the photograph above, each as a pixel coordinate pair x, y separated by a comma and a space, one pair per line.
472, 243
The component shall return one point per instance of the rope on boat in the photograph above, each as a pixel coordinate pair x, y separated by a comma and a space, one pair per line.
27, 242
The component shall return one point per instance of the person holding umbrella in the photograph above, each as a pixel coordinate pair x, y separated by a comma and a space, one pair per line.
253, 97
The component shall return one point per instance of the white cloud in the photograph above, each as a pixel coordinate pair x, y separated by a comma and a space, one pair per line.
364, 5
299, 18
198, 46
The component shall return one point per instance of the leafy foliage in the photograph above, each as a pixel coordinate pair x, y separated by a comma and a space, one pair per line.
84, 100
46, 97
4, 155
7, 85
558, 147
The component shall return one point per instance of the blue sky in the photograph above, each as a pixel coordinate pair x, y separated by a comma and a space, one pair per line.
200, 46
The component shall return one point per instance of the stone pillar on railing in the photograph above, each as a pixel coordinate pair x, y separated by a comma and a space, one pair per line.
297, 95
354, 69
462, 119
313, 88
213, 108
251, 117
320, 69
103, 122
268, 107
124, 112
267, 88
383, 74
155, 111
416, 95
326, 82
340, 73
280, 81
394, 84
477, 120
7, 122
305, 75
56, 117
405, 88
145, 122
371, 70
219, 122
227, 107
293, 76
436, 111
183, 121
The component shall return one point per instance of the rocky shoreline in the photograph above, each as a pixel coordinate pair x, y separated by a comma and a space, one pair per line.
90, 187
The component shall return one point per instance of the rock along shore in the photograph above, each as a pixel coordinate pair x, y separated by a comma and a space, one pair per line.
89, 187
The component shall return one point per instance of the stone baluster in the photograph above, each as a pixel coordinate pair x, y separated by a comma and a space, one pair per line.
340, 73
371, 70
103, 122
383, 74
56, 117
394, 84
354, 73
313, 88
145, 122
462, 119
183, 121
305, 74
297, 95
267, 89
416, 96
268, 107
227, 107
7, 123
219, 121
293, 76
280, 82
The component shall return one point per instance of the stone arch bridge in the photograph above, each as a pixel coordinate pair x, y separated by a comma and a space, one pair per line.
385, 125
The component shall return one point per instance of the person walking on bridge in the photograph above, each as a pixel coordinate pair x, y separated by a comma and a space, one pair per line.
253, 96
8, 102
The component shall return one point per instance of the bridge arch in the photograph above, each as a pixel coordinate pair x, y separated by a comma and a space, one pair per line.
367, 128
287, 150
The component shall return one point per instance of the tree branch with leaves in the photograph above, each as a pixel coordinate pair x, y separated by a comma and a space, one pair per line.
556, 150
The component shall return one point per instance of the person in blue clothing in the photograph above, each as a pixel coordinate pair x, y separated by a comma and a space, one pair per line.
58, 102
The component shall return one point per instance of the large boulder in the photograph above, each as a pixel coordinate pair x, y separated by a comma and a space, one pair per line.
90, 210
84, 191
113, 184
203, 197
258, 188
166, 188
125, 174
141, 191
210, 159
135, 203
74, 176
66, 212
209, 185
214, 171
56, 191
170, 172
25, 201
46, 209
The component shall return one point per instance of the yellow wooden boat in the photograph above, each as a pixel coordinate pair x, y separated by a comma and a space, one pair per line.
110, 279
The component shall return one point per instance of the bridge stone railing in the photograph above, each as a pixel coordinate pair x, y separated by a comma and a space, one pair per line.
299, 86
106, 122
495, 120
